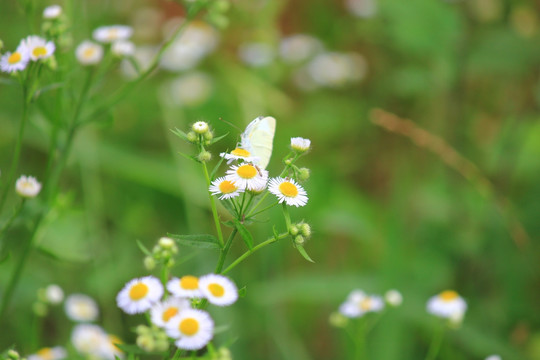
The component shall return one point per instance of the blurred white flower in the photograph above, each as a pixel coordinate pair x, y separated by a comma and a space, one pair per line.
362, 8
393, 297
143, 57
27, 186
191, 89
91, 340
52, 12
299, 48
493, 357
38, 47
80, 307
335, 69
448, 304
54, 294
54, 353
358, 303
89, 53
257, 54
15, 61
112, 33
123, 48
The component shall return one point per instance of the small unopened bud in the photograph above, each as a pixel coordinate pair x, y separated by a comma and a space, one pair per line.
204, 156
166, 243
303, 174
208, 136
288, 162
337, 319
149, 263
300, 144
224, 354
221, 6
161, 345
305, 229
13, 355
393, 297
146, 342
192, 137
299, 240
293, 230
54, 294
1, 44
200, 127
142, 330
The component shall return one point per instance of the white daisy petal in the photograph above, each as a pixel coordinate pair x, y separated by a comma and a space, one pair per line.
89, 53
52, 12
54, 353
38, 48
218, 289
300, 144
448, 304
225, 188
14, 61
186, 286
138, 295
27, 186
289, 191
80, 307
193, 328
110, 34
247, 176
162, 312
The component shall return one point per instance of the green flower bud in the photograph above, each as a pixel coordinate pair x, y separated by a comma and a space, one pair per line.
293, 230
218, 20
142, 330
13, 355
204, 156
192, 137
166, 243
149, 263
288, 162
338, 320
303, 174
200, 127
299, 240
161, 345
208, 136
146, 342
40, 309
221, 6
305, 229
1, 44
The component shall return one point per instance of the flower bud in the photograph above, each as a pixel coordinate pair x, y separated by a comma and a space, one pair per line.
337, 319
221, 6
303, 174
13, 355
54, 294
142, 330
208, 136
146, 342
200, 127
305, 230
204, 156
161, 345
393, 298
293, 230
40, 309
149, 263
299, 240
288, 162
166, 243
192, 137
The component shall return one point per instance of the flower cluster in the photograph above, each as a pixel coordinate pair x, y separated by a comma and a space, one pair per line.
191, 327
33, 48
117, 36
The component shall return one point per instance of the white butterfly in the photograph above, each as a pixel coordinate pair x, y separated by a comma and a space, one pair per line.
258, 139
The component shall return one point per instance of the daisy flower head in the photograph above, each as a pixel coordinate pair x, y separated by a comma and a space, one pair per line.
54, 294
89, 339
38, 47
493, 357
218, 289
80, 307
448, 304
89, 53
289, 191
47, 353
162, 312
226, 188
201, 127
15, 61
122, 48
138, 295
52, 12
239, 154
300, 144
193, 328
247, 176
393, 298
27, 186
358, 304
187, 286
110, 34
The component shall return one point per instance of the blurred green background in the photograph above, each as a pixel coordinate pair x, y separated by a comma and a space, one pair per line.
386, 213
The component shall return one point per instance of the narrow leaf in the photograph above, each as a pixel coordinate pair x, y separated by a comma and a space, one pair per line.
202, 241
216, 168
276, 234
143, 248
180, 134
246, 235
189, 157
215, 140
228, 223
303, 252
242, 292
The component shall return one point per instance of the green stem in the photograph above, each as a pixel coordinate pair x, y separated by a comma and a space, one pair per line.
257, 204
213, 206
436, 343
225, 251
249, 252
287, 216
17, 152
16, 213
263, 210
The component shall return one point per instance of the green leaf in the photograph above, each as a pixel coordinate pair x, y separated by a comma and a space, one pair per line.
180, 134
303, 252
242, 292
229, 223
276, 233
5, 257
189, 157
246, 235
229, 206
215, 140
143, 248
202, 241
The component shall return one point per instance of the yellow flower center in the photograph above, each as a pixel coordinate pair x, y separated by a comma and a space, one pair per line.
39, 51
189, 282
227, 187
189, 326
365, 304
14, 58
89, 52
288, 189
46, 353
114, 340
169, 313
240, 152
247, 171
216, 290
448, 295
138, 291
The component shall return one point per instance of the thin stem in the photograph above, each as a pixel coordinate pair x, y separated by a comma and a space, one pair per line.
249, 252
287, 216
257, 204
17, 151
214, 208
263, 210
225, 251
177, 354
436, 343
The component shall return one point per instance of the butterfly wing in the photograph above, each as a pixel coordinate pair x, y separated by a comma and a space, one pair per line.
258, 139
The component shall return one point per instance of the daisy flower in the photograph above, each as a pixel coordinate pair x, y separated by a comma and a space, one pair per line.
256, 54
298, 48
289, 191
38, 47
138, 295
239, 154
218, 289
54, 294
80, 307
300, 144
15, 61
193, 329
448, 304
164, 311
247, 176
89, 339
89, 53
493, 357
110, 350
358, 304
109, 34
393, 297
226, 188
54, 353
52, 12
187, 286
123, 48
200, 127
27, 186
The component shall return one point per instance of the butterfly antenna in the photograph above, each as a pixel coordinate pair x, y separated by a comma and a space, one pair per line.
230, 124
